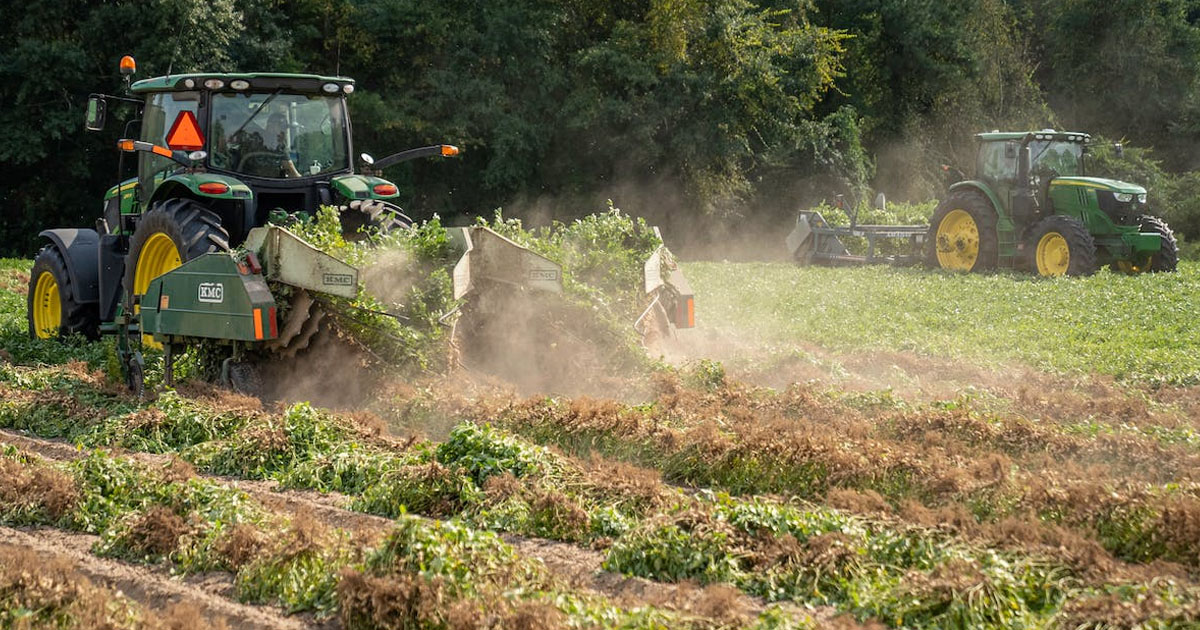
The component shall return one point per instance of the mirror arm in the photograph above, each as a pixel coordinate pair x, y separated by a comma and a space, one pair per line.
411, 154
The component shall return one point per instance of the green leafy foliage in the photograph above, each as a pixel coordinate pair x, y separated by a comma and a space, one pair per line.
484, 451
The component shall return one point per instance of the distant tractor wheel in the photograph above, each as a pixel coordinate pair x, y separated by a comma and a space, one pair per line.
1061, 246
1167, 258
962, 234
169, 234
51, 307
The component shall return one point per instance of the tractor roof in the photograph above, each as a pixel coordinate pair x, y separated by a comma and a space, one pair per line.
258, 82
1044, 134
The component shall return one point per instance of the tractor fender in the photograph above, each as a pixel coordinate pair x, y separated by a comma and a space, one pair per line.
359, 186
982, 187
169, 187
80, 248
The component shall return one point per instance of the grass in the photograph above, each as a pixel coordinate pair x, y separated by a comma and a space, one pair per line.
1135, 329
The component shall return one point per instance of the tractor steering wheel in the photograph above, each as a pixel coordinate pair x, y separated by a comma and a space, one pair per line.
262, 155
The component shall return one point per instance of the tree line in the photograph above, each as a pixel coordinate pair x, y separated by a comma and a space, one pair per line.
693, 112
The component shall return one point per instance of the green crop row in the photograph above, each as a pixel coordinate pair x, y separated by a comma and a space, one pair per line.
497, 481
422, 575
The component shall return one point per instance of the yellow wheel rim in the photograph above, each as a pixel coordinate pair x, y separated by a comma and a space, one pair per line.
1053, 255
47, 306
957, 241
158, 256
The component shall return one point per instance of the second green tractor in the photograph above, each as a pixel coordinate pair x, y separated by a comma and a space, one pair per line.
1032, 206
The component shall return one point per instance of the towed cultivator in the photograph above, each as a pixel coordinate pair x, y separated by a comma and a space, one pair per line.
193, 248
1031, 206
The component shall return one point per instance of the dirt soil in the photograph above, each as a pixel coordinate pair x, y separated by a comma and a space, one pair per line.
151, 587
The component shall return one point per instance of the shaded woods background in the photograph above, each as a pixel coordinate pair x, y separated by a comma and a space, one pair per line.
708, 115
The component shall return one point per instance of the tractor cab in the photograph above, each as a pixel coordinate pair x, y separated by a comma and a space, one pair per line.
252, 147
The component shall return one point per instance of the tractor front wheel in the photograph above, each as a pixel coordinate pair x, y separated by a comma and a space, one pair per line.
52, 310
962, 234
1167, 258
1061, 246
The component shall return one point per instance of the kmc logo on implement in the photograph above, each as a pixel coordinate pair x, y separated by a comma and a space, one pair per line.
212, 292
338, 280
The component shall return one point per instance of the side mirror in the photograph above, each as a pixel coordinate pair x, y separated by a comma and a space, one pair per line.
96, 107
880, 202
366, 158
1120, 148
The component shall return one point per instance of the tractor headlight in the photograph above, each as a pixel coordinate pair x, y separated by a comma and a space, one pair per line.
1123, 197
1142, 198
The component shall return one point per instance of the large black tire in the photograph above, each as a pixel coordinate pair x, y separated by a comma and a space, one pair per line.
1167, 258
74, 317
1061, 245
194, 229
952, 249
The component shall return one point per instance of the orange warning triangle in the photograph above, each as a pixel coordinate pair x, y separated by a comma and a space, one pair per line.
185, 133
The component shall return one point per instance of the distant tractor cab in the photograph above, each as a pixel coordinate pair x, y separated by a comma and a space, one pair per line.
1032, 206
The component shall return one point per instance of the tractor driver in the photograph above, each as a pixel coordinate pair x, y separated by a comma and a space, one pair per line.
266, 154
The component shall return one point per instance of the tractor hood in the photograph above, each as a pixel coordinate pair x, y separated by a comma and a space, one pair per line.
1100, 183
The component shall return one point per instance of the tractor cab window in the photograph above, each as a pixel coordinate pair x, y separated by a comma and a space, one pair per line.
161, 111
997, 161
278, 135
1061, 158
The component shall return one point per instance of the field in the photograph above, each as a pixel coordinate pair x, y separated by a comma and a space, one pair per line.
830, 448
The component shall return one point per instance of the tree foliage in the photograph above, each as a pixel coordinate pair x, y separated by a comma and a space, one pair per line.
734, 111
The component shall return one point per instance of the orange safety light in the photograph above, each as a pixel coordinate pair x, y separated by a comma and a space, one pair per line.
128, 65
384, 189
449, 150
125, 145
214, 188
185, 133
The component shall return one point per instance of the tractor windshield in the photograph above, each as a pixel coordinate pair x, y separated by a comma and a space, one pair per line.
278, 135
1063, 158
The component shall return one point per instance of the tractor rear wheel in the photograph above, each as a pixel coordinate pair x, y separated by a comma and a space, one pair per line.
1061, 246
52, 309
169, 234
1167, 258
962, 234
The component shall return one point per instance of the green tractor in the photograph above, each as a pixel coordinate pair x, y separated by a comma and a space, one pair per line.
193, 248
219, 158
1031, 206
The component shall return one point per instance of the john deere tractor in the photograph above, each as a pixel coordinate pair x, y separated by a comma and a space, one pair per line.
194, 247
220, 157
1032, 206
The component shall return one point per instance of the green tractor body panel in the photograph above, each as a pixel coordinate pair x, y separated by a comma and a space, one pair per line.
209, 298
362, 187
234, 188
127, 190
